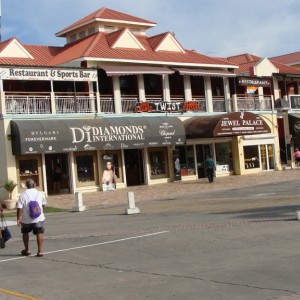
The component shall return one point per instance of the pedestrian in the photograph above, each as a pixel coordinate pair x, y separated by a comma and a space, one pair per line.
28, 223
2, 243
297, 157
210, 168
57, 176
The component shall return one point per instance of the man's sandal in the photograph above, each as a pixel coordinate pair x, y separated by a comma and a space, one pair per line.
39, 255
25, 253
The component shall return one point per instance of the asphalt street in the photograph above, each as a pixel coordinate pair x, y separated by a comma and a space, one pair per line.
240, 243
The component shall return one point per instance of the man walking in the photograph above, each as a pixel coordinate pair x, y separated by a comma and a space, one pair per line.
27, 221
210, 168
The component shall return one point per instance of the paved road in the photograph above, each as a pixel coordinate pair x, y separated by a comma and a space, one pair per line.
228, 244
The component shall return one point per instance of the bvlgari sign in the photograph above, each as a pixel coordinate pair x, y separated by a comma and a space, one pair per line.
56, 136
241, 123
63, 74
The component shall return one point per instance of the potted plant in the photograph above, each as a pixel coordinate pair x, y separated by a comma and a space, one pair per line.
9, 186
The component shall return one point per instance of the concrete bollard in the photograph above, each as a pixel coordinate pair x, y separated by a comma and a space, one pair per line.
78, 202
131, 202
298, 214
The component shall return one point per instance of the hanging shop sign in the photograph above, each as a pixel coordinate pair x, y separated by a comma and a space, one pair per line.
57, 136
168, 107
14, 73
254, 81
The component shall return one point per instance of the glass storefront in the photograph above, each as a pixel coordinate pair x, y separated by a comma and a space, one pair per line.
29, 167
187, 160
224, 162
259, 156
158, 162
85, 165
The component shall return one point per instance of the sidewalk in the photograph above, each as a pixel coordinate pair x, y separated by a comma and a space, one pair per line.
171, 190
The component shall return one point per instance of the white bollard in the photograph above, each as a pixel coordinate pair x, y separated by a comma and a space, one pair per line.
78, 202
298, 214
132, 209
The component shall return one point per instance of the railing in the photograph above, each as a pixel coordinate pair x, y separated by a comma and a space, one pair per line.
18, 104
107, 105
254, 103
129, 104
77, 104
201, 102
218, 104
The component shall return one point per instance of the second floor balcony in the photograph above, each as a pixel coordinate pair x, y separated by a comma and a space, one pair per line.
89, 103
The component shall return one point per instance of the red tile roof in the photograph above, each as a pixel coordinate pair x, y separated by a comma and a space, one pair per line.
98, 46
247, 61
288, 59
41, 54
105, 14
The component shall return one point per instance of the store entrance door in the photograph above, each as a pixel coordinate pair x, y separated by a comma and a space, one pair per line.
57, 172
202, 152
134, 166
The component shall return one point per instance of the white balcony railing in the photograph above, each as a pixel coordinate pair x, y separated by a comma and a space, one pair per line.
77, 104
107, 105
21, 104
254, 103
219, 104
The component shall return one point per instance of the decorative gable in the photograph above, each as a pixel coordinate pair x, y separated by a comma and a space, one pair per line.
126, 39
264, 68
169, 43
15, 49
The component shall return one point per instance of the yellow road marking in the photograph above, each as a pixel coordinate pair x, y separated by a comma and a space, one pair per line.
22, 296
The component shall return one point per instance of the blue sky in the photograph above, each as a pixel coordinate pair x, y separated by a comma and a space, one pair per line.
212, 27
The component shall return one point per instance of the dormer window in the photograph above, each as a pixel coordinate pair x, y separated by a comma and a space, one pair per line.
72, 38
91, 30
109, 29
136, 31
81, 34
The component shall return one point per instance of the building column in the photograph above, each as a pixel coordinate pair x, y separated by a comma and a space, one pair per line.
208, 94
228, 105
187, 88
117, 94
166, 88
141, 87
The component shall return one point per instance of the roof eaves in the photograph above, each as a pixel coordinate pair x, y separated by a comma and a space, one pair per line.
166, 63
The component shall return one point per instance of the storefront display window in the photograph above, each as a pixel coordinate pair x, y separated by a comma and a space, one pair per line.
267, 157
251, 156
29, 167
158, 163
85, 167
224, 161
186, 157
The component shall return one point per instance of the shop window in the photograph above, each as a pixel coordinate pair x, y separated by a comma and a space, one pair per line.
186, 158
251, 157
158, 163
224, 161
267, 157
113, 157
29, 167
86, 169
